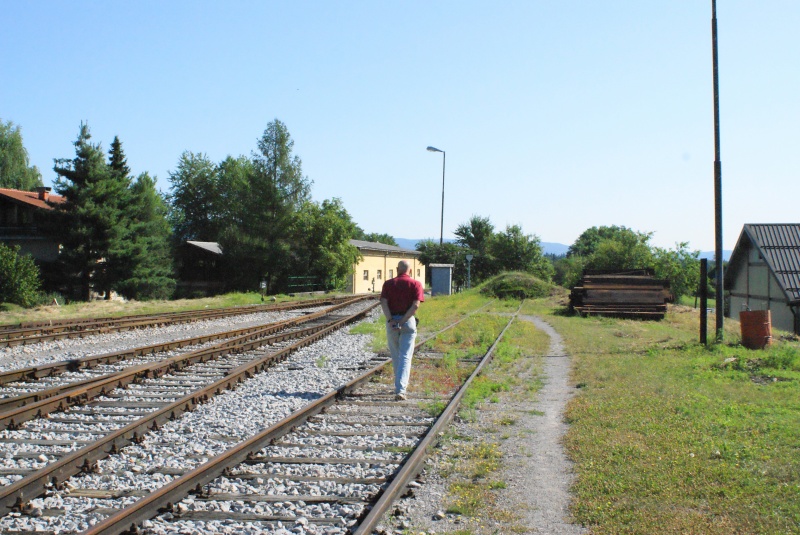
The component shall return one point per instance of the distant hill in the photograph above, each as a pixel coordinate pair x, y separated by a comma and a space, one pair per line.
726, 255
549, 247
557, 249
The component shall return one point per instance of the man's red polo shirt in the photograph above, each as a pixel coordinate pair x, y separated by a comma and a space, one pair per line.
400, 292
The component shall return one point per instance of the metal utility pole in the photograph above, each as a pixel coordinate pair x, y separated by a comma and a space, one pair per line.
444, 161
717, 179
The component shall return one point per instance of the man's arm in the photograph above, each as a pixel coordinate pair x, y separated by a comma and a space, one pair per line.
385, 307
410, 312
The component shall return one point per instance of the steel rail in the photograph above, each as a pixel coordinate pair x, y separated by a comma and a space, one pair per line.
83, 328
88, 362
14, 497
77, 322
126, 520
174, 491
60, 397
414, 463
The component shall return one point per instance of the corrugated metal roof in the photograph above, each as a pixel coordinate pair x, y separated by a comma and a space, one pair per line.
779, 245
32, 198
375, 246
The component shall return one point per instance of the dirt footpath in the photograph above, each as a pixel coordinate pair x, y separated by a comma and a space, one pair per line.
535, 469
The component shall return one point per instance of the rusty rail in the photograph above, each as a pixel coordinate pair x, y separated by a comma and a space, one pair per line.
28, 333
127, 519
16, 495
36, 404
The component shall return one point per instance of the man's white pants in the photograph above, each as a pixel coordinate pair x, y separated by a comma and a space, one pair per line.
401, 347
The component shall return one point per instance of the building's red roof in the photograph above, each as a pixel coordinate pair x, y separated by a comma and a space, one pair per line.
32, 198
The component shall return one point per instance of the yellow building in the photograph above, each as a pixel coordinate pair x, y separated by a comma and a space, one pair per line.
379, 263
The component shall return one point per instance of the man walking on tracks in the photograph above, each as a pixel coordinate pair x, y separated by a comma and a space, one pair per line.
400, 299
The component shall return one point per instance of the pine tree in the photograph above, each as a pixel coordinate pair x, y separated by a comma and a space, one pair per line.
89, 220
119, 262
151, 273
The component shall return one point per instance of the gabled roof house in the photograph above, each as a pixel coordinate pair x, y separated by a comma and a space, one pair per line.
20, 216
764, 273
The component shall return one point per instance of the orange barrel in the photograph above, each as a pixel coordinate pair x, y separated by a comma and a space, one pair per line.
756, 328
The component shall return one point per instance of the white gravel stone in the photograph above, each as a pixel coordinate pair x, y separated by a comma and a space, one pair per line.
206, 432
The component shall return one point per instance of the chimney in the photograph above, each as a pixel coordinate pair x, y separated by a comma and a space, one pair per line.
44, 193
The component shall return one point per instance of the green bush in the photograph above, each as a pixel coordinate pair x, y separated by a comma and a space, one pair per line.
516, 285
19, 277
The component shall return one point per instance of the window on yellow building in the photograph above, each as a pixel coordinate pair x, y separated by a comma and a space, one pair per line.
366, 274
391, 273
418, 273
380, 273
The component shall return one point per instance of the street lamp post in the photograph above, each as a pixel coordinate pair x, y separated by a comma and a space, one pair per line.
441, 225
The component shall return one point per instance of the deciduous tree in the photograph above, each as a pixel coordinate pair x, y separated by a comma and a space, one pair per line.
195, 199
513, 250
322, 247
446, 253
15, 169
476, 236
375, 237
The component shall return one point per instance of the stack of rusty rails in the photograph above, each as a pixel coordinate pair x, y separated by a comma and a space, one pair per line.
627, 294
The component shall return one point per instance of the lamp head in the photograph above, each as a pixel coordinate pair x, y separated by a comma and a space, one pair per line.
434, 149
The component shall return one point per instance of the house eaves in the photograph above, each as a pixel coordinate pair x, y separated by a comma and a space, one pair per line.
32, 198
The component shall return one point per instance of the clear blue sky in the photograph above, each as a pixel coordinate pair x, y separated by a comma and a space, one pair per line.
555, 115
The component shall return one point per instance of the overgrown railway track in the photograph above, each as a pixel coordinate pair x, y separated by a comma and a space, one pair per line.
333, 465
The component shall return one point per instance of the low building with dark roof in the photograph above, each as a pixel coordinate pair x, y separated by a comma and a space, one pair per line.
764, 273
199, 269
379, 263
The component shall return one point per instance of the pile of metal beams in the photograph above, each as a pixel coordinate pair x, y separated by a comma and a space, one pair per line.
632, 294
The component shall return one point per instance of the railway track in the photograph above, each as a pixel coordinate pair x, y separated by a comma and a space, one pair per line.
331, 465
154, 395
27, 387
35, 332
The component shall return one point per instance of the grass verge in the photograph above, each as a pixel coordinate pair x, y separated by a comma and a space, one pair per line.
666, 432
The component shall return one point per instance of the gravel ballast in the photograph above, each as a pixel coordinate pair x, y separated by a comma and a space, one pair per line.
199, 435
